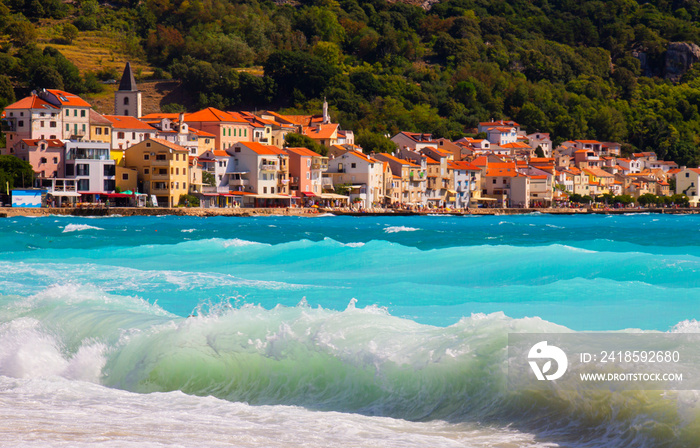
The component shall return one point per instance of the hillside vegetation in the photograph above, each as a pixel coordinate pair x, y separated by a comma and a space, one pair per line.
607, 70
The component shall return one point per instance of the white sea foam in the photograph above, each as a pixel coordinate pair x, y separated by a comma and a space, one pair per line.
188, 230
79, 227
236, 242
358, 244
396, 229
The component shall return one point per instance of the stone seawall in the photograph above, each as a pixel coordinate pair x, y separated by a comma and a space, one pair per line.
311, 212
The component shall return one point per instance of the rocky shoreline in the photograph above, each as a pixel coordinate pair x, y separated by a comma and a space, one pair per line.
311, 212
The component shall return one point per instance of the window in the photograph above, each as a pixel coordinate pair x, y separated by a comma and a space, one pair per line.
160, 157
120, 135
308, 176
67, 113
84, 185
308, 162
237, 150
75, 112
82, 169
146, 157
125, 176
20, 123
83, 128
687, 174
353, 165
82, 113
494, 181
177, 171
41, 124
98, 131
52, 137
146, 171
42, 160
55, 160
109, 170
133, 135
126, 100
148, 144
70, 170
264, 190
109, 185
106, 131
272, 190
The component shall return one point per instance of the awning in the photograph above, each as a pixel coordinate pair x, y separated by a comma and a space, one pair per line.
69, 194
484, 199
451, 191
309, 194
333, 196
118, 195
270, 196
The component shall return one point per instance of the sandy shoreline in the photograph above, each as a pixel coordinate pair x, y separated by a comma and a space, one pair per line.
245, 212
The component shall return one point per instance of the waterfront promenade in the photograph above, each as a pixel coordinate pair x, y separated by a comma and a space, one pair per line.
314, 212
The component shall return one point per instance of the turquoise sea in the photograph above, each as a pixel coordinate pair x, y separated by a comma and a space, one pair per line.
331, 331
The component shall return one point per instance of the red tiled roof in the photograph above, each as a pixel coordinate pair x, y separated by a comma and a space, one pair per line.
463, 165
199, 133
68, 99
321, 131
31, 102
128, 122
171, 145
303, 152
211, 114
259, 148
51, 142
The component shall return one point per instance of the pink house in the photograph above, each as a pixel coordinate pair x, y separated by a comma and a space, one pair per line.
45, 156
305, 168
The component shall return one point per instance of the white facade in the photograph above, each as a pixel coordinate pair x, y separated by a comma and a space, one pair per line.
89, 164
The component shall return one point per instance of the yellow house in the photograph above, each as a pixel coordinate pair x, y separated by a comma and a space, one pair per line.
126, 178
205, 141
101, 130
162, 169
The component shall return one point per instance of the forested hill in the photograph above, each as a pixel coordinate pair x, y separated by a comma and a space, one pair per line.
610, 70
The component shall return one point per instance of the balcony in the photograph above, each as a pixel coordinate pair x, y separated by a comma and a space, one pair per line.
8, 125
238, 182
165, 176
268, 167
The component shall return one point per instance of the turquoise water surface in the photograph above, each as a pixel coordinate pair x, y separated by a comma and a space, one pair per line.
355, 317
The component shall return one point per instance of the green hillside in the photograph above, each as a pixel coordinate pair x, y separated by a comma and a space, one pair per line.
610, 70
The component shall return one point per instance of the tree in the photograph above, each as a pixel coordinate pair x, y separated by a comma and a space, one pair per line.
69, 32
22, 33
648, 199
15, 172
293, 140
539, 152
188, 200
624, 199
172, 108
294, 70
374, 142
7, 93
208, 179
